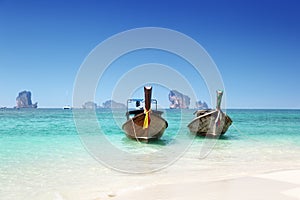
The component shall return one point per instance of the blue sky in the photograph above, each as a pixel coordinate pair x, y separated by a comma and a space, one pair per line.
255, 44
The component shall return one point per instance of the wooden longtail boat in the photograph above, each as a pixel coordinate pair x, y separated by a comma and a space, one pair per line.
211, 122
144, 124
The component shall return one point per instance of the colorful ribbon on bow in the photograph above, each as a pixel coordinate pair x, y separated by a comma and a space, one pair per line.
147, 119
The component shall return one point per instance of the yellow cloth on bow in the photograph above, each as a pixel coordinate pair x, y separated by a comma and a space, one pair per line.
147, 119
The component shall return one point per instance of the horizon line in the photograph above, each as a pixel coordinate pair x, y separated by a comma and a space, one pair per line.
232, 108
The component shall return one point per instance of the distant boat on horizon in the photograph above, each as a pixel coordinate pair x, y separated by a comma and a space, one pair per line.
67, 107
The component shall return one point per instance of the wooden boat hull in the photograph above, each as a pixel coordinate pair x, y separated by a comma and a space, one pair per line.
205, 124
134, 127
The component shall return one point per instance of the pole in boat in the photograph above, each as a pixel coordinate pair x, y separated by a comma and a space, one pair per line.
219, 99
218, 108
148, 94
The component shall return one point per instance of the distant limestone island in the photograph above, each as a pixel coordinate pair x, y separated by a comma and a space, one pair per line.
201, 105
182, 101
23, 100
111, 104
179, 100
89, 105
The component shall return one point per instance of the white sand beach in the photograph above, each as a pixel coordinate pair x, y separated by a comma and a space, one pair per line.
276, 185
235, 176
210, 178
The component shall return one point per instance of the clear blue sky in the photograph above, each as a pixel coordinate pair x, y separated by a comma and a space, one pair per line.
255, 44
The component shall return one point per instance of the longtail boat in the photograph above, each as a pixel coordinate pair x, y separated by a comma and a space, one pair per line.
144, 124
211, 122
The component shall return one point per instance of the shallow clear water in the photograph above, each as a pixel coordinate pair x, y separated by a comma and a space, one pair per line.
42, 155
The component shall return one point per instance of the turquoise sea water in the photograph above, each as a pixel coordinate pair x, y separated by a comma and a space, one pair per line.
41, 151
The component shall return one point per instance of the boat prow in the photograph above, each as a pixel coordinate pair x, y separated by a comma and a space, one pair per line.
146, 124
209, 122
133, 127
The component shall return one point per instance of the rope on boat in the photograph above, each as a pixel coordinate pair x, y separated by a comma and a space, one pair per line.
217, 123
133, 127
